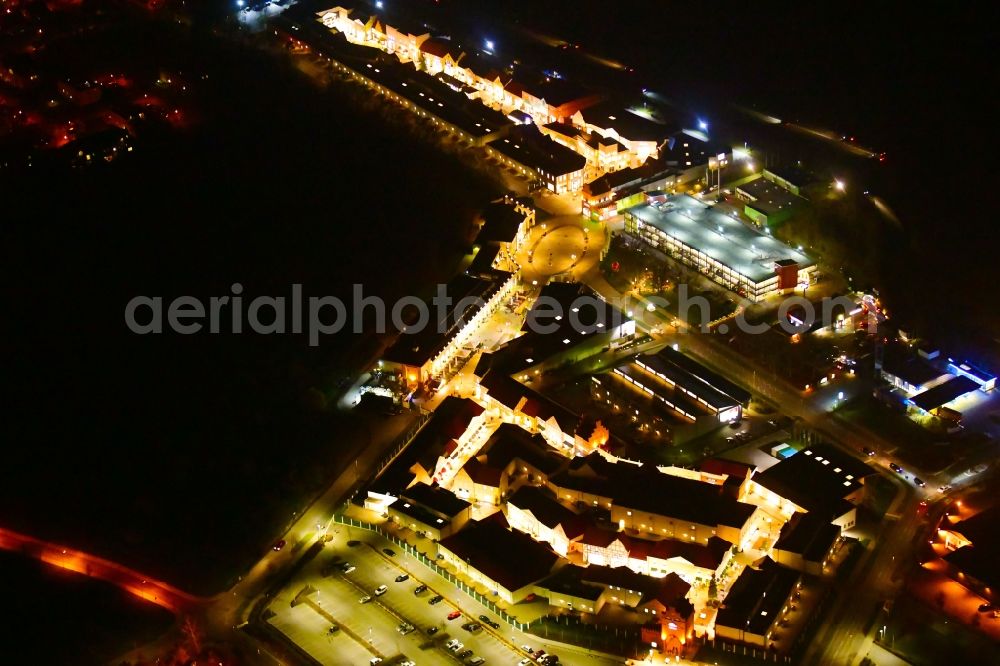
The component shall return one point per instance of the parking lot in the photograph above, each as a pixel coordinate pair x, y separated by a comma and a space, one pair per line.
326, 595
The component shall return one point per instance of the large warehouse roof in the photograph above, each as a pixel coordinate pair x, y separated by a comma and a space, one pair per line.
727, 240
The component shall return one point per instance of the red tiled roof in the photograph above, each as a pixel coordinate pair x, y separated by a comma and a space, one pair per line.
728, 467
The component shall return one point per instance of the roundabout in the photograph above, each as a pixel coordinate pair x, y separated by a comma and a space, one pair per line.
567, 245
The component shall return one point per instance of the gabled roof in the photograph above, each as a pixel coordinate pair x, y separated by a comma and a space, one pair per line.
544, 409
547, 510
817, 478
978, 562
707, 556
567, 581
501, 221
449, 421
511, 442
424, 344
630, 126
600, 537
672, 593
811, 535
483, 474
436, 46
644, 488
564, 315
436, 499
754, 601
981, 528
509, 392
528, 146
557, 92
565, 129
728, 467
512, 559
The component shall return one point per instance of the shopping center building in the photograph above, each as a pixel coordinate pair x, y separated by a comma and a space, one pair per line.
746, 261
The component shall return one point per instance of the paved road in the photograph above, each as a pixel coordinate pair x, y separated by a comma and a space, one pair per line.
842, 638
370, 629
134, 582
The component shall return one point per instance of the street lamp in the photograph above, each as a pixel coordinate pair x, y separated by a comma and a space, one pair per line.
839, 184
702, 125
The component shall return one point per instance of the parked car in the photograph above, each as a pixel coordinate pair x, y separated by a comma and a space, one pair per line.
279, 544
451, 643
868, 451
389, 551
454, 614
986, 608
420, 589
895, 468
401, 577
919, 482
404, 628
347, 567
365, 599
476, 661
380, 590
436, 599
456, 646
464, 653
486, 620
472, 627
353, 543
431, 631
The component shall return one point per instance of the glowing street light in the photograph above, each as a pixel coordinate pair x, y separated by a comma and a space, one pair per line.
489, 45
379, 4
839, 184
702, 125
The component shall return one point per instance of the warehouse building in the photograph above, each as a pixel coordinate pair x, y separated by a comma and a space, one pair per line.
743, 260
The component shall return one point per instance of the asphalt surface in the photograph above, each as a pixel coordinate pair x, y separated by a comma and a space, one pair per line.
370, 629
842, 637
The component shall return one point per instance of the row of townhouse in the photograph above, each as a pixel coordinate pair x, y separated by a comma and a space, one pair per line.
611, 137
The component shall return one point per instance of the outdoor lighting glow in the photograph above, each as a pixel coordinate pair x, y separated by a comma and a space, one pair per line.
750, 166
650, 307
489, 45
839, 184
702, 125
239, 3
379, 4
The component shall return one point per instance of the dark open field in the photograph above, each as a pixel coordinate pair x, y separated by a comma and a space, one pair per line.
58, 617
180, 455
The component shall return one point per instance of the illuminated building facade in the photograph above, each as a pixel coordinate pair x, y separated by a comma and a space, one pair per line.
743, 260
